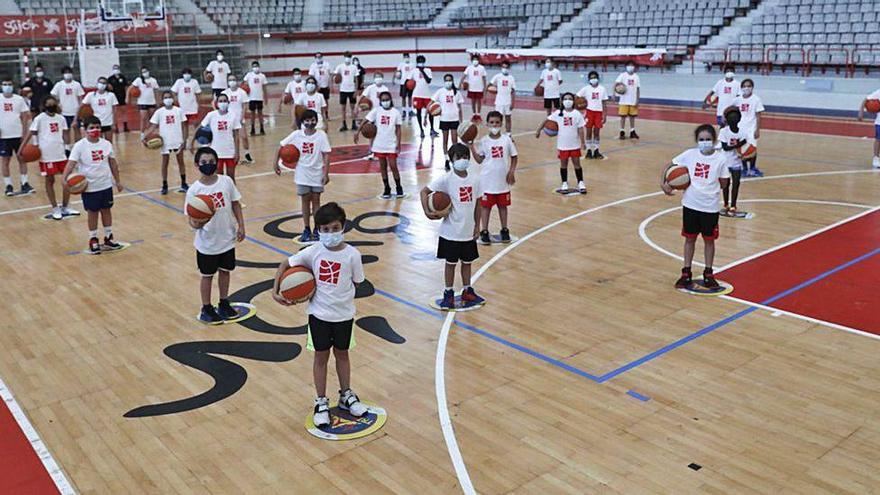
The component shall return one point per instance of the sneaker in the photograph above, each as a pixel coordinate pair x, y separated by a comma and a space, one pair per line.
306, 235
399, 192
67, 212
248, 158
209, 315
111, 244
226, 311
94, 246
709, 279
344, 127
164, 190
484, 238
348, 401
582, 188
505, 236
56, 213
27, 189
354, 126
633, 135
747, 173
262, 132
756, 172
564, 186
598, 156
316, 236
622, 134
253, 133
434, 133
386, 194
448, 301
183, 188
321, 417
876, 162
590, 154
10, 191
685, 280
370, 157
468, 296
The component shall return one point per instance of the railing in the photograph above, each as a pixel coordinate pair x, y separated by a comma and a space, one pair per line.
812, 52
855, 60
733, 56
779, 49
720, 51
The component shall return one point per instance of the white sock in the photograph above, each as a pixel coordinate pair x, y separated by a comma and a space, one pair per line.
108, 231
448, 288
24, 179
7, 181
67, 147
93, 234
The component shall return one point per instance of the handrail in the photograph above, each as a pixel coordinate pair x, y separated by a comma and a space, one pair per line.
815, 50
782, 49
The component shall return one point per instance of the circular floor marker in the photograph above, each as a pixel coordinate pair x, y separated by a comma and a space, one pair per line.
245, 311
697, 289
344, 426
394, 198
459, 308
48, 216
125, 245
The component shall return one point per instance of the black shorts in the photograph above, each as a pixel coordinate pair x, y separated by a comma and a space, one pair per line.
449, 126
255, 105
69, 119
346, 96
146, 107
552, 103
98, 200
106, 128
694, 223
210, 263
404, 91
9, 147
327, 334
325, 92
455, 251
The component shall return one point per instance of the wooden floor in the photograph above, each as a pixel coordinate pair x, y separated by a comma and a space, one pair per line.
767, 403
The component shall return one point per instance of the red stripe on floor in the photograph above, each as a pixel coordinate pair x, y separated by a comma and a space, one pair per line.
21, 471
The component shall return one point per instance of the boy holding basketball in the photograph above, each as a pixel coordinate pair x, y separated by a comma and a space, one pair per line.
497, 155
405, 72
169, 121
94, 158
47, 129
421, 95
312, 169
386, 144
146, 101
551, 80
215, 238
460, 227
68, 93
628, 101
188, 90
873, 96
338, 269
256, 81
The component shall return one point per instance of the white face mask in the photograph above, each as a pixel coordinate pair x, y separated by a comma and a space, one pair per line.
461, 165
233, 84
495, 130
705, 146
448, 84
168, 101
406, 61
505, 71
567, 104
256, 70
101, 86
420, 64
548, 65
319, 61
145, 74
223, 106
219, 58
310, 87
386, 104
187, 77
346, 60
39, 73
332, 239
729, 74
377, 81
630, 68
68, 77
7, 89
297, 78
747, 91
475, 62
594, 81
116, 71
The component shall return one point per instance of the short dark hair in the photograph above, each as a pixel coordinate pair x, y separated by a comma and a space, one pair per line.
308, 114
591, 74
346, 54
747, 80
205, 150
383, 93
38, 66
458, 150
474, 56
297, 69
167, 92
255, 62
329, 213
187, 70
494, 113
47, 98
223, 95
66, 68
313, 79
731, 109
219, 52
420, 58
505, 62
705, 127
406, 54
729, 67
318, 54
91, 120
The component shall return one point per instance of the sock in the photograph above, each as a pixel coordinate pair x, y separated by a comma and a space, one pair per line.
385, 183
93, 234
183, 179
448, 288
579, 173
108, 232
466, 287
632, 129
24, 179
224, 301
7, 181
247, 152
164, 183
622, 129
67, 147
206, 307
563, 172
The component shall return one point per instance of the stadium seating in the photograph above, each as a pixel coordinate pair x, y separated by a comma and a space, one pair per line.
532, 21
361, 14
237, 16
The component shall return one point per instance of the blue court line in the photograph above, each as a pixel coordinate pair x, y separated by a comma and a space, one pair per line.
643, 398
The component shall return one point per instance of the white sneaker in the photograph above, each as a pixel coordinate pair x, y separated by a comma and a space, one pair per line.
348, 401
67, 212
582, 187
322, 412
56, 213
564, 186
876, 162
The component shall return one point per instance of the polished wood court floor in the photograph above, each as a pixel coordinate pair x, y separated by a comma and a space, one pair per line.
768, 403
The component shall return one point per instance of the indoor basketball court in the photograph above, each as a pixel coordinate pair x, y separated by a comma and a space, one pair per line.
583, 367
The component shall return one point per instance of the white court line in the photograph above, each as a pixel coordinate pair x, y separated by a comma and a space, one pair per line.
439, 368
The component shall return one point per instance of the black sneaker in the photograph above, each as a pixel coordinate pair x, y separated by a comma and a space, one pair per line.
434, 133
633, 135
590, 154
164, 190
685, 280
344, 127
262, 132
386, 194
248, 158
399, 192
354, 125
94, 246
598, 156
226, 311
183, 188
709, 281
622, 134
505, 236
10, 191
111, 244
27, 189
209, 315
484, 238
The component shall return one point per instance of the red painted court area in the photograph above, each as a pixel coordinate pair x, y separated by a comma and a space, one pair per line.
842, 262
21, 471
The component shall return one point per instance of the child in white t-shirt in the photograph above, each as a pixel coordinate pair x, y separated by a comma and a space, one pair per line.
505, 94
700, 202
347, 73
475, 76
103, 103
751, 107
450, 101
237, 100
460, 227
405, 72
725, 91
225, 128
551, 81
259, 93
497, 157
169, 120
386, 144
69, 93
47, 130
313, 99
188, 90
731, 139
295, 87
338, 269
217, 73
312, 169
873, 96
569, 141
596, 113
215, 238
146, 101
628, 102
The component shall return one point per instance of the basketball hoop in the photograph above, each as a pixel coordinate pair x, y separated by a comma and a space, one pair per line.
138, 20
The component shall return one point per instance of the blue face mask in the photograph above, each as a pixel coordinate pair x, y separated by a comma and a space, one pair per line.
461, 165
705, 146
332, 239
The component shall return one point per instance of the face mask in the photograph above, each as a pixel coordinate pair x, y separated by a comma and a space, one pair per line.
733, 120
101, 86
386, 104
93, 133
168, 102
406, 61
747, 91
310, 87
461, 165
68, 77
233, 84
256, 70
145, 74
331, 239
356, 62
7, 89
567, 104
594, 81
116, 71
548, 65
347, 60
378, 81
729, 74
223, 106
705, 146
475, 62
505, 71
495, 131
187, 77
420, 64
52, 109
319, 61
219, 58
630, 69
448, 84
40, 73
310, 124
208, 168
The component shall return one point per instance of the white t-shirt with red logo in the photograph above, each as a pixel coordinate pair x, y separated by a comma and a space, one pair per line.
294, 89
387, 122
310, 167
170, 122
147, 87
569, 123
474, 76
348, 73
551, 79
730, 138
423, 88
449, 101
372, 92
256, 83
321, 73
219, 234
406, 71
11, 109
187, 95
594, 96
726, 93
496, 164
220, 70
93, 161
464, 193
222, 126
335, 273
102, 105
313, 102
237, 98
50, 136
506, 86
704, 193
749, 108
68, 94
632, 83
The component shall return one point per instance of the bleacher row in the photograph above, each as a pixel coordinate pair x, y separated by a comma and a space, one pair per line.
380, 13
234, 15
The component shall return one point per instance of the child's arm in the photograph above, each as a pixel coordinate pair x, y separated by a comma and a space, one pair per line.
758, 125
475, 153
540, 128
239, 217
638, 95
604, 111
512, 99
582, 134
283, 267
27, 139
235, 157
460, 113
397, 133
151, 127
663, 184
862, 109
511, 172
326, 157
68, 169
477, 210
275, 165
114, 169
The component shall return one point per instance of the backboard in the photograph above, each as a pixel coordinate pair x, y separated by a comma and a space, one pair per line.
125, 10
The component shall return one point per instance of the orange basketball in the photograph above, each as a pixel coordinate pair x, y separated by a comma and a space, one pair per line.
30, 153
134, 92
747, 151
410, 84
713, 101
434, 108
439, 202
677, 177
467, 132
297, 284
580, 102
368, 129
337, 78
298, 111
539, 90
209, 76
289, 154
551, 128
287, 98
365, 104
492, 89
85, 111
200, 207
619, 88
872, 106
77, 183
26, 92
464, 85
246, 87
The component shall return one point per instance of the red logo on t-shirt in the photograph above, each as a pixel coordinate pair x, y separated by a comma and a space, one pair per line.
328, 271
233, 98
308, 148
310, 104
102, 102
567, 121
727, 90
497, 151
385, 120
299, 89
476, 73
595, 95
504, 82
448, 98
744, 107
701, 170
222, 125
219, 200
465, 194
187, 90
97, 155
734, 141
7, 107
53, 126
169, 119
68, 91
631, 82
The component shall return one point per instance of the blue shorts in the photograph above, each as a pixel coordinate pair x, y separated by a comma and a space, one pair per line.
98, 200
9, 147
70, 119
877, 131
719, 119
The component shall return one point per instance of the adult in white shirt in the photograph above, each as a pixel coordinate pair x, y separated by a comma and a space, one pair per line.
169, 121
725, 91
570, 124
497, 157
225, 128
873, 96
701, 201
188, 90
405, 72
505, 94
475, 76
751, 107
257, 94
551, 81
103, 103
345, 73
14, 112
146, 101
217, 72
628, 102
47, 131
597, 112
321, 72
386, 144
422, 94
237, 100
69, 93
294, 88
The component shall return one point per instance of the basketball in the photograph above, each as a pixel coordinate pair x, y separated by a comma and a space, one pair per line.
677, 177
464, 85
289, 154
30, 153
434, 108
26, 93
713, 101
287, 98
439, 203
77, 183
365, 104
153, 141
298, 111
467, 132
619, 88
297, 284
204, 136
134, 92
246, 87
580, 102
410, 84
368, 129
337, 78
200, 207
872, 106
492, 89
539, 90
209, 76
85, 111
747, 151
551, 128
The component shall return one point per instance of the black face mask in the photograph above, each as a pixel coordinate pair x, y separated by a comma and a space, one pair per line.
733, 120
310, 125
208, 168
52, 108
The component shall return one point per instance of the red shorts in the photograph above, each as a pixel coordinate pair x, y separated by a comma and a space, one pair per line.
594, 119
475, 95
419, 103
489, 200
378, 155
52, 168
192, 118
225, 164
563, 154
